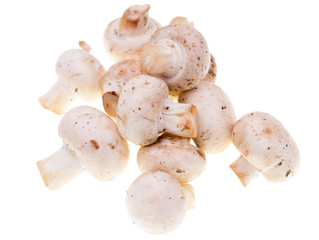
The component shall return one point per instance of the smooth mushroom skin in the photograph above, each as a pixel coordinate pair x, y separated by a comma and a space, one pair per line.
124, 37
178, 54
173, 155
115, 79
79, 75
92, 138
144, 111
156, 202
265, 143
216, 116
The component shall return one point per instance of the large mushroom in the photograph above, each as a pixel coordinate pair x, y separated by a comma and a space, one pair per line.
157, 203
79, 75
124, 37
178, 54
144, 111
216, 116
265, 146
174, 155
115, 78
91, 141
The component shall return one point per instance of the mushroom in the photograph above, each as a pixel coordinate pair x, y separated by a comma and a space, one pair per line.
174, 155
216, 116
144, 111
265, 146
115, 79
124, 37
178, 54
211, 75
157, 203
91, 141
79, 74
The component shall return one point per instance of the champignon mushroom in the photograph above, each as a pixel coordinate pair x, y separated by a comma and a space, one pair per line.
265, 146
174, 155
115, 79
178, 54
211, 75
124, 37
79, 74
144, 111
91, 141
216, 116
156, 202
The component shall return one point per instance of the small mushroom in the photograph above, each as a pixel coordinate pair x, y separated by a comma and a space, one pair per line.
91, 141
144, 111
156, 202
124, 37
178, 54
216, 116
212, 72
79, 74
265, 146
174, 155
115, 79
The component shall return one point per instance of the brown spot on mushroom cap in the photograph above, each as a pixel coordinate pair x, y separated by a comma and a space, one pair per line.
95, 144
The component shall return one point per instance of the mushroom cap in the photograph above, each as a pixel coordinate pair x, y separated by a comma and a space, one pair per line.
156, 203
173, 155
267, 145
94, 137
121, 44
195, 55
81, 72
138, 109
216, 116
115, 79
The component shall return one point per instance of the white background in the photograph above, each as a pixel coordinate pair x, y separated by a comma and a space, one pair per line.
267, 57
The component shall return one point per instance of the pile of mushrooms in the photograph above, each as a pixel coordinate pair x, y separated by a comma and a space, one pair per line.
160, 95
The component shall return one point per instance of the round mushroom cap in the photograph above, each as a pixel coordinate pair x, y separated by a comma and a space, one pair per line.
156, 203
138, 109
267, 145
81, 72
216, 116
114, 80
173, 155
94, 137
126, 44
195, 53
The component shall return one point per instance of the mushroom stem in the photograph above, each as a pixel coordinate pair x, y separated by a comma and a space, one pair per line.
181, 20
58, 98
179, 119
60, 168
110, 100
244, 170
135, 19
163, 58
189, 193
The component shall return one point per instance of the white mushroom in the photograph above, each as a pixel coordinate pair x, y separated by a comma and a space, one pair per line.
178, 54
91, 141
115, 78
124, 37
216, 116
211, 75
144, 111
79, 74
174, 155
266, 146
156, 202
